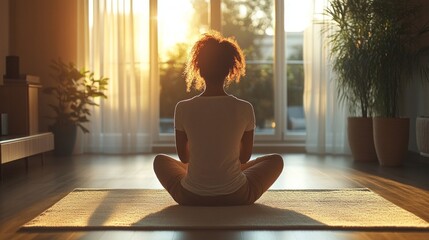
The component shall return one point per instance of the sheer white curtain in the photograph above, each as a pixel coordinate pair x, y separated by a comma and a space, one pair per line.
326, 119
116, 45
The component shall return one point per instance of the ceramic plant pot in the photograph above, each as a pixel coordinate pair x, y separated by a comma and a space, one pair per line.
64, 139
391, 137
361, 140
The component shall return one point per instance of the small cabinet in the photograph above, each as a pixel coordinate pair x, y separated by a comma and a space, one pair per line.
20, 100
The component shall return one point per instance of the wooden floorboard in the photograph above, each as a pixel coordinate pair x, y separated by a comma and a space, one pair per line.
24, 195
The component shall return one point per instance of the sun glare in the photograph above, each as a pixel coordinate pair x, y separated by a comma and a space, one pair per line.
174, 19
297, 15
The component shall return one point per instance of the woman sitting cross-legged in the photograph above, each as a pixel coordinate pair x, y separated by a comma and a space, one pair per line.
214, 134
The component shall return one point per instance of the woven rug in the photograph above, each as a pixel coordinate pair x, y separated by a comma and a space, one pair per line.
91, 209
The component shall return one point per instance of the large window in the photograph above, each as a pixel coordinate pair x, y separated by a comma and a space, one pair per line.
251, 23
180, 23
273, 83
297, 15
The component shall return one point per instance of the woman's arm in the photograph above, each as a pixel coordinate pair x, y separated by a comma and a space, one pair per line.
246, 146
182, 146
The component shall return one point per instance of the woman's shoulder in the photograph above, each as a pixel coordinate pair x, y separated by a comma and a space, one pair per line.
230, 100
241, 101
186, 101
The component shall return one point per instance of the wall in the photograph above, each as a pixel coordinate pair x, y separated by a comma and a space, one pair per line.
4, 35
415, 103
40, 31
416, 96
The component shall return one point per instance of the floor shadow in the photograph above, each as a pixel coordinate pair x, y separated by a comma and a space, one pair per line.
103, 209
413, 171
250, 217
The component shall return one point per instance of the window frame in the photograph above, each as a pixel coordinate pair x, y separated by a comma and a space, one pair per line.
281, 135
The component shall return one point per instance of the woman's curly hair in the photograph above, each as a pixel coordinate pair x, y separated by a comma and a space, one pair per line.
214, 58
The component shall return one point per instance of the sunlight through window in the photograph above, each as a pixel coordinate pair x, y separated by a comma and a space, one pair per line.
297, 15
174, 20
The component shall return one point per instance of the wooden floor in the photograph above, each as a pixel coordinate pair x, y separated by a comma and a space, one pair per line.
24, 195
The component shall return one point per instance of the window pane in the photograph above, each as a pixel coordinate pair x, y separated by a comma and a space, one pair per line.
295, 82
297, 17
251, 23
180, 23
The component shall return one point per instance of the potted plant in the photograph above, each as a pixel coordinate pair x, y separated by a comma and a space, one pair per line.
74, 92
396, 56
350, 42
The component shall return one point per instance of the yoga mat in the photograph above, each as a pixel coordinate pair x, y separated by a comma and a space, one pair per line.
150, 209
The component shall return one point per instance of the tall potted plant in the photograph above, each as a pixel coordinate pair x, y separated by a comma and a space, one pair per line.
350, 42
74, 92
396, 56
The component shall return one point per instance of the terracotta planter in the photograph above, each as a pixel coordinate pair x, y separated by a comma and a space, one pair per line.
391, 137
361, 140
422, 135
